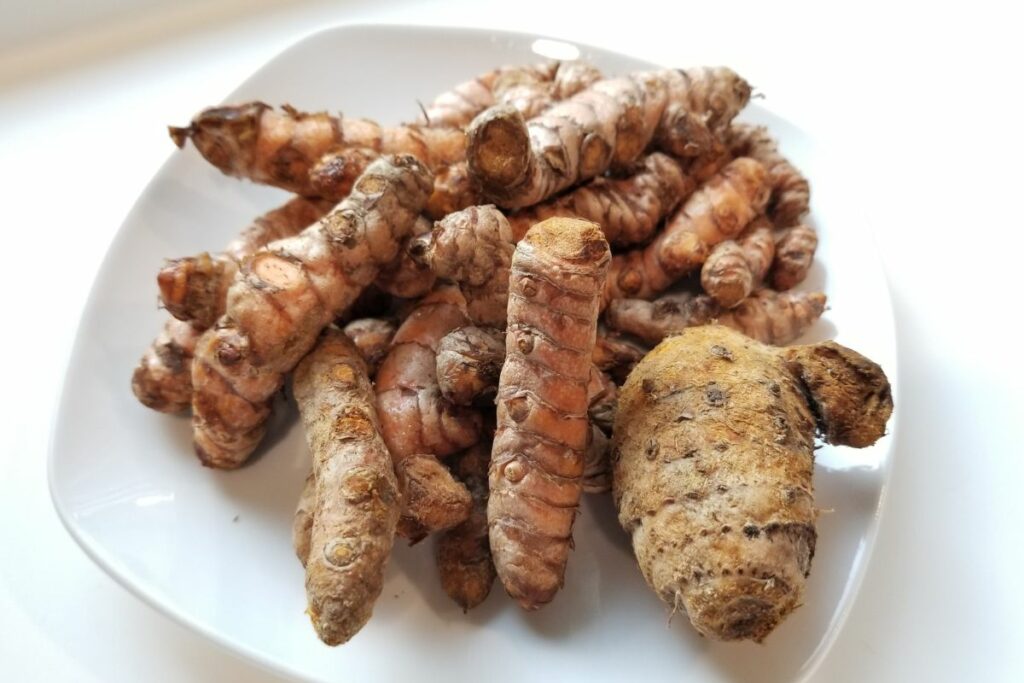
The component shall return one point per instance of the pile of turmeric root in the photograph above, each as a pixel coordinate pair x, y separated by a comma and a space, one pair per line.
466, 307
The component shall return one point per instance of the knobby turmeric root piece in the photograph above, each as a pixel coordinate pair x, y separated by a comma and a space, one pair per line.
472, 248
455, 108
356, 500
791, 193
608, 125
333, 174
372, 336
722, 520
597, 473
616, 355
537, 460
735, 267
628, 209
195, 288
717, 211
768, 316
284, 295
794, 254
406, 277
464, 552
280, 148
418, 424
163, 378
469, 360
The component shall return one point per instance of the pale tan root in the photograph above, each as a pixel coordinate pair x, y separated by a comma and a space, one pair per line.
721, 519
537, 460
282, 298
464, 552
333, 175
717, 211
457, 107
356, 494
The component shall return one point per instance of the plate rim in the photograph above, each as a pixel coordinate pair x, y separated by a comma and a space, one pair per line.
238, 649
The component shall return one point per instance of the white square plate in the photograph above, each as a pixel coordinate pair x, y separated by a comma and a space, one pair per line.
213, 550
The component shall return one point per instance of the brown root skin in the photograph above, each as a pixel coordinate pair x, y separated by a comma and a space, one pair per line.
717, 211
849, 394
602, 396
722, 520
469, 360
472, 248
302, 523
768, 316
372, 336
735, 267
791, 193
454, 190
418, 424
282, 298
794, 255
628, 209
407, 277
542, 431
464, 552
162, 380
597, 474
617, 355
333, 175
356, 494
280, 148
457, 107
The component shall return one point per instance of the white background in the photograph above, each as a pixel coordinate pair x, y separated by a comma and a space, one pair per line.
923, 101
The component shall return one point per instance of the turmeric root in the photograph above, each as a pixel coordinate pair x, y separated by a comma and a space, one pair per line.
722, 520
279, 148
333, 175
473, 248
616, 355
418, 424
537, 460
609, 124
282, 298
791, 193
770, 317
469, 360
457, 107
717, 211
735, 267
602, 395
406, 277
597, 473
372, 336
195, 288
627, 209
454, 190
163, 378
356, 499
464, 552
794, 254
302, 522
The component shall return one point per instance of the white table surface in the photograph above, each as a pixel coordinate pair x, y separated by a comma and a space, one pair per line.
923, 102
